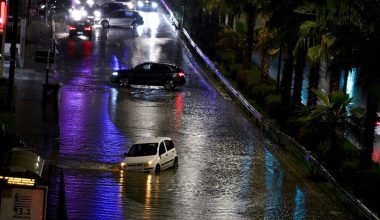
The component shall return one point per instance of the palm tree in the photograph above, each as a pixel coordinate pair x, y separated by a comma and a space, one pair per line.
285, 22
333, 119
266, 47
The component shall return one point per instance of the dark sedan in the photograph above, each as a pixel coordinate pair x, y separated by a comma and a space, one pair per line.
78, 28
151, 73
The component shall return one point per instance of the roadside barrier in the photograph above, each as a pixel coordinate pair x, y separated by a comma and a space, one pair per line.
274, 134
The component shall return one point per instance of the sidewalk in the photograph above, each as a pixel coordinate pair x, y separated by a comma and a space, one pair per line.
37, 122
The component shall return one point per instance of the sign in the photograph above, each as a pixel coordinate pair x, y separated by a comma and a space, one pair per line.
23, 203
3, 16
42, 57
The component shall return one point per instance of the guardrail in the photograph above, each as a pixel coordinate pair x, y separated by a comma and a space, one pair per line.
273, 133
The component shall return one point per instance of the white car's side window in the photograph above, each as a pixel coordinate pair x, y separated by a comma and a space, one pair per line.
162, 149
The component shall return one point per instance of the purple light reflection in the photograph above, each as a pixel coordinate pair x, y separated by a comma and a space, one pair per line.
87, 133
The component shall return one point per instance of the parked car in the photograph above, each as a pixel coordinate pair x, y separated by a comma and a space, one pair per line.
121, 18
151, 73
77, 28
147, 5
151, 155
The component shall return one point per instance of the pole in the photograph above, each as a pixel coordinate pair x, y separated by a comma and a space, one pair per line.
13, 56
183, 13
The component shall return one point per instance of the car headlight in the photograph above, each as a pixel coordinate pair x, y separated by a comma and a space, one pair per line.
97, 14
154, 4
130, 5
115, 73
140, 4
148, 164
122, 165
76, 14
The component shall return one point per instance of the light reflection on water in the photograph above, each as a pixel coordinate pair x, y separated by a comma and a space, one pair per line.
81, 126
273, 187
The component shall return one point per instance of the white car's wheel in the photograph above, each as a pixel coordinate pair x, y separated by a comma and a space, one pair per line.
175, 164
105, 24
157, 169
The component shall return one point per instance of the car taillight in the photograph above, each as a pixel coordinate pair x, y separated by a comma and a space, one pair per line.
378, 123
181, 74
87, 28
71, 28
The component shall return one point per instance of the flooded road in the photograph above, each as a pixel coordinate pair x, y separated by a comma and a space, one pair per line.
227, 168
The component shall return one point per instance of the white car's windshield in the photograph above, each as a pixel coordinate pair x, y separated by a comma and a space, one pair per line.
138, 150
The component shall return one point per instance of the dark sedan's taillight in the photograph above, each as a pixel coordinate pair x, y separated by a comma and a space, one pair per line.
72, 28
181, 74
87, 28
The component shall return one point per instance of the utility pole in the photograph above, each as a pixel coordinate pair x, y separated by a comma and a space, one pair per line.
13, 56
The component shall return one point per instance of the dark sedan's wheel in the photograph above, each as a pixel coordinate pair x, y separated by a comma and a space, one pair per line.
169, 84
89, 36
157, 169
124, 81
105, 24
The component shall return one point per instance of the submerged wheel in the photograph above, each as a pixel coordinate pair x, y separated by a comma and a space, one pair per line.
169, 84
105, 24
157, 169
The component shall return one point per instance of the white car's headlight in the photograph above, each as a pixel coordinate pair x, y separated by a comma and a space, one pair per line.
90, 2
148, 164
154, 4
115, 73
97, 14
122, 165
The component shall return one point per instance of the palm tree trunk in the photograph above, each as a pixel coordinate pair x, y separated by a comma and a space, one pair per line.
313, 83
287, 74
369, 127
298, 76
251, 16
265, 67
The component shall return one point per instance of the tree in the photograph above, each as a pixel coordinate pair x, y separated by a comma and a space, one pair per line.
333, 119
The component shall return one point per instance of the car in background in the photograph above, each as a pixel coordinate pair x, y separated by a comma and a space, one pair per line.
107, 8
121, 18
147, 5
151, 73
151, 155
78, 28
128, 3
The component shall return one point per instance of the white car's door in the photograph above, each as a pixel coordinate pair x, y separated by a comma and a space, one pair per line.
170, 151
115, 17
164, 157
127, 19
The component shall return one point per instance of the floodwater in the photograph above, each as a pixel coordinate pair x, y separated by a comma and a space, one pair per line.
227, 168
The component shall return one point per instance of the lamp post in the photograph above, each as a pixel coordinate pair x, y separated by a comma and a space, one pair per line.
13, 56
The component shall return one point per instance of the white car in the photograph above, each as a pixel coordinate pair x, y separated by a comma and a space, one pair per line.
121, 18
151, 155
